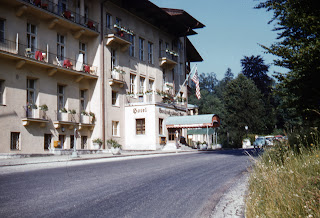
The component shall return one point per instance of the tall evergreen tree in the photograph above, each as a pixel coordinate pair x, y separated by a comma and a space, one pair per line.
254, 68
243, 107
298, 49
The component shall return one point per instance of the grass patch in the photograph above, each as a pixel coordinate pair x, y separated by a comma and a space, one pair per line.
285, 182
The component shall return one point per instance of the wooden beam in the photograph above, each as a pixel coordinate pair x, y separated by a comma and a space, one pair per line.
20, 10
20, 64
79, 78
78, 34
52, 71
53, 23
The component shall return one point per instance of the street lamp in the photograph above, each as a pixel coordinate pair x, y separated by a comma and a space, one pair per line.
246, 128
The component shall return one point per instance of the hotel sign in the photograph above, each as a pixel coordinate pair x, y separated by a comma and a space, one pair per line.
139, 110
170, 113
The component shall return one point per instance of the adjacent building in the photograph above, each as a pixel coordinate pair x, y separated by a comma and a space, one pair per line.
91, 69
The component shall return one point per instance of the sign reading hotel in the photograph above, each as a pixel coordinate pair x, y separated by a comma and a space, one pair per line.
139, 110
170, 112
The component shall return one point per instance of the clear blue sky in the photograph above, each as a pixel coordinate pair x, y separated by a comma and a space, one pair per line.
233, 30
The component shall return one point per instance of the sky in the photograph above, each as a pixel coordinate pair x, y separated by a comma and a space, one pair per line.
234, 29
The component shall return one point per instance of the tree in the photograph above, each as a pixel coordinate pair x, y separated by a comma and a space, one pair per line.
243, 107
254, 68
298, 50
208, 81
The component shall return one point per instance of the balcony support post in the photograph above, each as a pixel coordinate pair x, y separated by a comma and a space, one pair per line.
20, 64
21, 10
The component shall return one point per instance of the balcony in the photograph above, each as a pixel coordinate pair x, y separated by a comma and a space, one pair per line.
50, 62
86, 121
34, 115
168, 59
119, 37
72, 120
141, 98
65, 119
56, 15
117, 77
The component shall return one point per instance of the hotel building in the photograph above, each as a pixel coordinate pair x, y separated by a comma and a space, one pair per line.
111, 69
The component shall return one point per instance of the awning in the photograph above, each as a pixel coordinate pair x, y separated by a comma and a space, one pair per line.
202, 131
195, 121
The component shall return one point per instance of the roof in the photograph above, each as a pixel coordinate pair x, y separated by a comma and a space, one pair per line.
151, 13
195, 121
192, 53
202, 131
192, 106
184, 17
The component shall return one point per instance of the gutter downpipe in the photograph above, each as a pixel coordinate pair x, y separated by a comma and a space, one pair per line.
102, 76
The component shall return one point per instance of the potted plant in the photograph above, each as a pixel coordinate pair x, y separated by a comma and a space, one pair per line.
96, 143
92, 117
33, 110
63, 113
130, 94
44, 109
84, 117
72, 113
115, 146
149, 92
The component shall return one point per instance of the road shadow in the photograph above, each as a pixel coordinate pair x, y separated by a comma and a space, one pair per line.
254, 152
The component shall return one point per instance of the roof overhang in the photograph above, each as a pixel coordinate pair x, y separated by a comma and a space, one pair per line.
192, 53
184, 17
195, 121
158, 17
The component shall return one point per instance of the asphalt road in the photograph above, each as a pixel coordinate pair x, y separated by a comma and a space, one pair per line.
185, 185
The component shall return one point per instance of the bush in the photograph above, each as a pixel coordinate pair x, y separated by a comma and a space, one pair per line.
285, 181
113, 143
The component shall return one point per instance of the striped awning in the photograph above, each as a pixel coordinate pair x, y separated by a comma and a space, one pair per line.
195, 121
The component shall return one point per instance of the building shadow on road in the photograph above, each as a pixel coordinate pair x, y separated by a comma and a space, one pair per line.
235, 152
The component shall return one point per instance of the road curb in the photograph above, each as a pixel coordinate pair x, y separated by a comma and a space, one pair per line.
87, 158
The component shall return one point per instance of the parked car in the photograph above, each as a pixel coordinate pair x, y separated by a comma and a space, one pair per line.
246, 143
260, 142
269, 140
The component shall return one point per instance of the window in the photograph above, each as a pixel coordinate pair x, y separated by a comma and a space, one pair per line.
83, 102
118, 21
31, 91
115, 98
86, 13
141, 42
132, 46
2, 30
15, 141
151, 82
140, 126
32, 36
84, 140
60, 47
1, 92
61, 139
62, 6
109, 21
83, 52
71, 141
60, 94
150, 53
47, 141
115, 128
132, 83
160, 126
171, 133
141, 88
113, 58
160, 48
